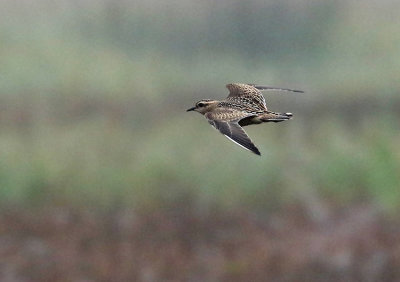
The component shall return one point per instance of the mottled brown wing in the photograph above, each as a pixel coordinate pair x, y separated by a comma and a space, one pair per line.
230, 128
247, 94
241, 89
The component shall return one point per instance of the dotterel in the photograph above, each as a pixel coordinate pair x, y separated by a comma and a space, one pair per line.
245, 105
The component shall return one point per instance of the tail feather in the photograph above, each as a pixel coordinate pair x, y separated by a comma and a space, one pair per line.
275, 117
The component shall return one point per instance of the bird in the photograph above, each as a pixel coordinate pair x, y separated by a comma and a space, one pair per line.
245, 105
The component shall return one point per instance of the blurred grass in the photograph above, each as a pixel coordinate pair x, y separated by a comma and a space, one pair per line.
93, 99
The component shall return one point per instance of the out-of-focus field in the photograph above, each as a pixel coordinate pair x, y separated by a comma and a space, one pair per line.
93, 124
177, 243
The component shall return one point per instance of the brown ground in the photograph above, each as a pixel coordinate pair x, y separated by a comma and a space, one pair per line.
174, 244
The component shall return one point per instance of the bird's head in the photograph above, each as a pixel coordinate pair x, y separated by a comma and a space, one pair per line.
204, 106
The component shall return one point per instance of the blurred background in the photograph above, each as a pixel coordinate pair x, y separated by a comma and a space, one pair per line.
105, 177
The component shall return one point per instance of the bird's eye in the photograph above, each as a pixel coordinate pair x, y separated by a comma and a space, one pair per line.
200, 104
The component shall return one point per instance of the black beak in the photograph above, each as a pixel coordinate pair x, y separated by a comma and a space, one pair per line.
191, 109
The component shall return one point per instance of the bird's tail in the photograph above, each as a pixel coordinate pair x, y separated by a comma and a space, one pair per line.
275, 117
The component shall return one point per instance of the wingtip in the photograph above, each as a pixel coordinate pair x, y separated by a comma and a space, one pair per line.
256, 151
271, 88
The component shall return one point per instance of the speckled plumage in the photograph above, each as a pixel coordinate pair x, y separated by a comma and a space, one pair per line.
245, 105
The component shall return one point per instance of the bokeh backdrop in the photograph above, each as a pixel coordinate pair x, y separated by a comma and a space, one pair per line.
105, 177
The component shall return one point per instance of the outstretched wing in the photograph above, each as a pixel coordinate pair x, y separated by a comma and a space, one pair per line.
246, 94
271, 88
241, 89
231, 129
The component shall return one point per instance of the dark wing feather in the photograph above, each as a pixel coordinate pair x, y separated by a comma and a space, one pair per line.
233, 131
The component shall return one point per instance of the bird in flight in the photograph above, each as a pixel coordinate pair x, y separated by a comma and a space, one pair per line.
245, 105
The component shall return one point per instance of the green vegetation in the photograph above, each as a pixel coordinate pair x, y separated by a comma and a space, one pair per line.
93, 99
